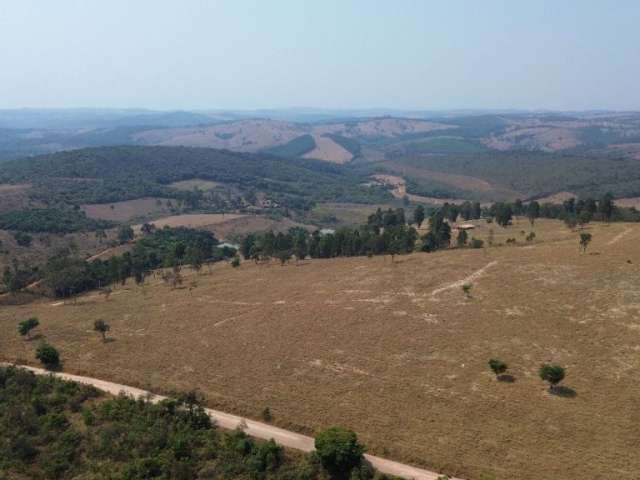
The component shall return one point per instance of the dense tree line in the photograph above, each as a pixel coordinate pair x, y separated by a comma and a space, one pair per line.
54, 429
50, 220
572, 211
386, 232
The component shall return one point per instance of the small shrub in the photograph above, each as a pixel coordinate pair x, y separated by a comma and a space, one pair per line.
553, 374
102, 327
48, 355
88, 417
266, 415
476, 243
498, 367
235, 263
25, 327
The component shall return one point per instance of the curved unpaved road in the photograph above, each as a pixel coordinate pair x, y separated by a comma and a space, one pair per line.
251, 427
619, 237
469, 279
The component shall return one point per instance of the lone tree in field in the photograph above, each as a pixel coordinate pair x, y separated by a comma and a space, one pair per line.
418, 215
466, 288
533, 212
498, 367
125, 234
585, 239
102, 327
106, 291
462, 238
25, 327
339, 451
553, 374
48, 356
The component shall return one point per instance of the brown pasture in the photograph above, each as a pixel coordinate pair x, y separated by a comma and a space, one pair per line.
396, 351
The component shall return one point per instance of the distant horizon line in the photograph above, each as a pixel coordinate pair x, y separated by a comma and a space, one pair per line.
323, 109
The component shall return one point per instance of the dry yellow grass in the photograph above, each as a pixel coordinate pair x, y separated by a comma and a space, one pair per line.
194, 183
329, 151
193, 220
388, 350
128, 210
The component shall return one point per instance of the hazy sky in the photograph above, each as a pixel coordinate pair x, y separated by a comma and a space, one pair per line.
191, 54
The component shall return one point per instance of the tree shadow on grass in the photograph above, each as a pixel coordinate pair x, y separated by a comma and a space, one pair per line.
33, 338
109, 340
506, 378
563, 391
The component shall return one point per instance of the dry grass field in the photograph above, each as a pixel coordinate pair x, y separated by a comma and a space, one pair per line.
343, 214
194, 183
224, 226
128, 210
192, 220
329, 151
395, 351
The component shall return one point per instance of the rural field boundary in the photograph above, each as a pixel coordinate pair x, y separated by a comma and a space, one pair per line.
253, 428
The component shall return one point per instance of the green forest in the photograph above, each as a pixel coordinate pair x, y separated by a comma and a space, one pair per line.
111, 174
51, 220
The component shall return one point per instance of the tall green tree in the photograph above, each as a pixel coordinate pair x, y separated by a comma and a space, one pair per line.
418, 215
606, 207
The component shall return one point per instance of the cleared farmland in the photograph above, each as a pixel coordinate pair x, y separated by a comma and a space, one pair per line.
394, 350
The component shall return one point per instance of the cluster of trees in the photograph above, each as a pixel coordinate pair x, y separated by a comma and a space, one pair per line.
550, 373
119, 437
50, 220
66, 274
385, 233
573, 212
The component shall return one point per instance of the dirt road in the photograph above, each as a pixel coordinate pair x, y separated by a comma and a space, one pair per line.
251, 427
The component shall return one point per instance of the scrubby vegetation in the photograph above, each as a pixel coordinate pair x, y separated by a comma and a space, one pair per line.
53, 429
66, 274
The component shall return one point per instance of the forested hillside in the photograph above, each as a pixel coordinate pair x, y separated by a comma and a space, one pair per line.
110, 174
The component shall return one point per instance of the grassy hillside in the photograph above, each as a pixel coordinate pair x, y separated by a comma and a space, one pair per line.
317, 342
